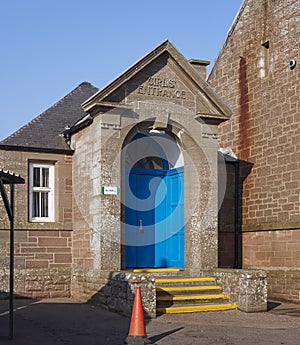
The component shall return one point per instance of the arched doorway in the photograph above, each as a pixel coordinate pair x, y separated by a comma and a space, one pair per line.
154, 201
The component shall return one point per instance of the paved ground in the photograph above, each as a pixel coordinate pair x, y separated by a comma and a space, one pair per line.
61, 322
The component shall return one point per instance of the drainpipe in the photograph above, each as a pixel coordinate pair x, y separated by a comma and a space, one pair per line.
236, 215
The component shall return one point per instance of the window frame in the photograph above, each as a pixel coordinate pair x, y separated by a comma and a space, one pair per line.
49, 190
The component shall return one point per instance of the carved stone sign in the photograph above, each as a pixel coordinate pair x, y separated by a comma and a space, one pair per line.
162, 87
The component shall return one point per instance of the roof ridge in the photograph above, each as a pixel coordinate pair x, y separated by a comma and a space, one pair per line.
96, 99
35, 119
161, 47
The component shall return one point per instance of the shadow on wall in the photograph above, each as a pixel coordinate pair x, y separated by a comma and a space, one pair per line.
117, 294
230, 210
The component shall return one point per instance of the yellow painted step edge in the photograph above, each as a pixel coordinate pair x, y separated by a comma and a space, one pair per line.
154, 270
188, 288
191, 297
195, 309
184, 280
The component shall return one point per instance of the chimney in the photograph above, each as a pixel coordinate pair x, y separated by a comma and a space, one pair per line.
200, 66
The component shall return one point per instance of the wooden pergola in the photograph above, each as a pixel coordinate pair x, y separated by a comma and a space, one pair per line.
9, 178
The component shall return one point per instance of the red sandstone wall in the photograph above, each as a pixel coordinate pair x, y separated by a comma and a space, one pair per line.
43, 251
265, 127
272, 248
263, 92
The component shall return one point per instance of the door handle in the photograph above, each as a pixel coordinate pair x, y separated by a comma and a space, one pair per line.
141, 226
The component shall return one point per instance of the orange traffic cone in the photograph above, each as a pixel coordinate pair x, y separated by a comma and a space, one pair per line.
137, 330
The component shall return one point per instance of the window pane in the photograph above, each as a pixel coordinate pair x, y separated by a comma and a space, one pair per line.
152, 163
36, 177
41, 193
157, 162
35, 204
44, 204
45, 177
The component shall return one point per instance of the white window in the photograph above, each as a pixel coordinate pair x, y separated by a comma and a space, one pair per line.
41, 192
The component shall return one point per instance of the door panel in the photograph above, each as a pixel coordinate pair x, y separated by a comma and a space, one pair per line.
139, 218
169, 230
154, 218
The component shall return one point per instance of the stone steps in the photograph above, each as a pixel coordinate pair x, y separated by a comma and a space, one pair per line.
179, 294
191, 300
175, 280
183, 289
195, 308
157, 271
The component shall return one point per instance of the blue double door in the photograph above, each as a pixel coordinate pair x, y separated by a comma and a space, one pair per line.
154, 217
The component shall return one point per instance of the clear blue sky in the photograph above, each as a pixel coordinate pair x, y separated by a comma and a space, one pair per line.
48, 47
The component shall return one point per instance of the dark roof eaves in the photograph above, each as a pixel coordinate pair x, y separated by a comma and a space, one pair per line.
36, 149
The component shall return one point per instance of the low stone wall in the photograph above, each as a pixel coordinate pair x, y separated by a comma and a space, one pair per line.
248, 288
37, 283
85, 283
284, 284
118, 293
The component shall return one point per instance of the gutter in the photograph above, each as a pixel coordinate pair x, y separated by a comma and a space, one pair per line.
36, 149
78, 126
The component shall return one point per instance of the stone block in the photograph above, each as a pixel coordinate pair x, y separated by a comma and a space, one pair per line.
248, 288
117, 292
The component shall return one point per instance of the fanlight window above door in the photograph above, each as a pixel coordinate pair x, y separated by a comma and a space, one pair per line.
157, 163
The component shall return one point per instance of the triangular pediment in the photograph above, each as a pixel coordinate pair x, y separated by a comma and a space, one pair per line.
162, 75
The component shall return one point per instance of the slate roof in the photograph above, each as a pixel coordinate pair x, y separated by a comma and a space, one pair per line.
44, 133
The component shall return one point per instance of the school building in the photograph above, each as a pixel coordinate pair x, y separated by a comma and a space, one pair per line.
167, 169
